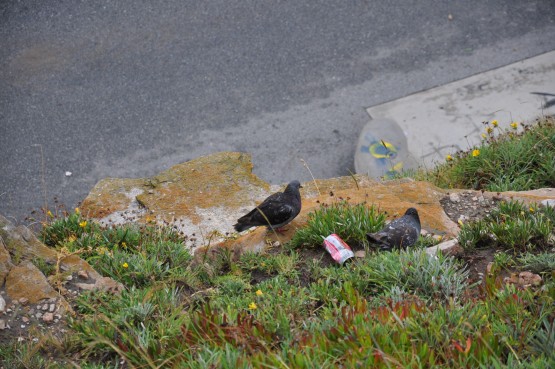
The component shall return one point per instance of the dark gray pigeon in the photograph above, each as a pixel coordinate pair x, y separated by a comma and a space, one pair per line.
402, 232
276, 211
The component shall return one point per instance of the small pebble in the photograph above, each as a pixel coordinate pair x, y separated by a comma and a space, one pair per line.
48, 317
52, 308
83, 274
23, 301
360, 254
25, 319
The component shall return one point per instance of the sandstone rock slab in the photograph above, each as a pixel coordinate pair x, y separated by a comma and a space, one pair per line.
27, 281
21, 241
201, 196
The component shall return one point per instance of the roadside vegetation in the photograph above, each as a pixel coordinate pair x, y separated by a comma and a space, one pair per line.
516, 157
290, 307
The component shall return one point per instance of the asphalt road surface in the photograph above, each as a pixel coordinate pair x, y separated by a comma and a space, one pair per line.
128, 88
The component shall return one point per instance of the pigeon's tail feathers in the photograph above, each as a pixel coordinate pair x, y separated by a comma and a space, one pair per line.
240, 227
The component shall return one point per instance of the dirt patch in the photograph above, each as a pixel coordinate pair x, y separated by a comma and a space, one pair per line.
468, 205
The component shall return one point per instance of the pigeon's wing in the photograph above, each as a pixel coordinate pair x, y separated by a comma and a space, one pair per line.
276, 209
402, 232
400, 236
276, 212
378, 237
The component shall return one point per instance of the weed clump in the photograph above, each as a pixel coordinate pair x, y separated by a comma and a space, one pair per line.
512, 226
350, 222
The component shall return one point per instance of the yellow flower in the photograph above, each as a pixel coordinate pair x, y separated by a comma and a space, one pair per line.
259, 293
514, 125
494, 123
475, 152
484, 136
449, 158
49, 213
72, 238
532, 209
125, 265
252, 306
124, 245
460, 222
489, 130
77, 211
83, 224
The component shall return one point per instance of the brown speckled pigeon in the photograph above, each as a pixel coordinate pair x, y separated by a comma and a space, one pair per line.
275, 212
400, 233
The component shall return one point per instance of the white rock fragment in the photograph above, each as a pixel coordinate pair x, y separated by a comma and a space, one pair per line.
449, 247
68, 173
2, 304
548, 203
454, 197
